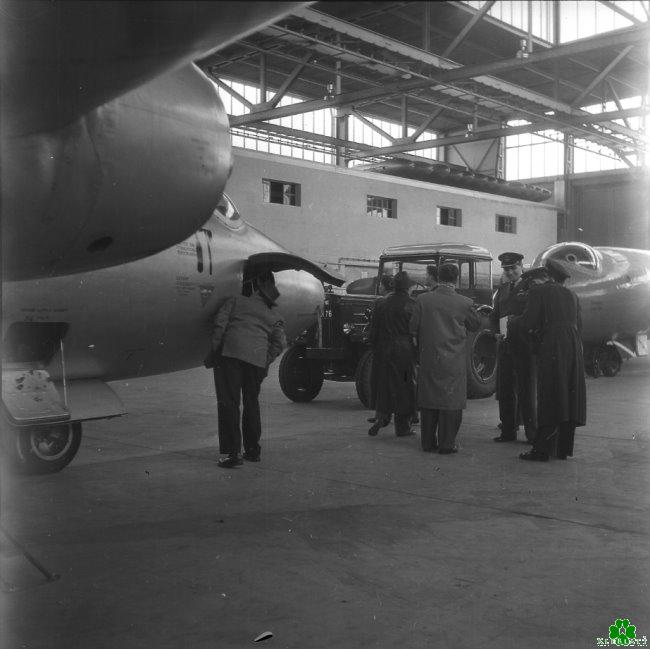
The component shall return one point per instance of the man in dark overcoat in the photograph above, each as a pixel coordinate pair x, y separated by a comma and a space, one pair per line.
393, 358
515, 387
439, 325
553, 314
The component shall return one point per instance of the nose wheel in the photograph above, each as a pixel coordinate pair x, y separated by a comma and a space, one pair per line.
603, 361
41, 449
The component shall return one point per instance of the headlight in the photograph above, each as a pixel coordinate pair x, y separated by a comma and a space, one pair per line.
347, 328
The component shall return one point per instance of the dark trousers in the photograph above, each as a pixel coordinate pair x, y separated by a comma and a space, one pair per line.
516, 390
556, 440
235, 379
402, 422
438, 428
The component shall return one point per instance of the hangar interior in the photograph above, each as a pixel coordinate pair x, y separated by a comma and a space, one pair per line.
459, 81
335, 538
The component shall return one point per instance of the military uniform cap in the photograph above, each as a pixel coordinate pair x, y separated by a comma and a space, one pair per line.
509, 258
556, 269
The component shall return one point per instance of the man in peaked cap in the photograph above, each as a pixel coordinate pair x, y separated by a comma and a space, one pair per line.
515, 369
553, 311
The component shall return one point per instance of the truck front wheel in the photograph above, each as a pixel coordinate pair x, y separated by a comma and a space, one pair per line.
301, 378
481, 362
363, 378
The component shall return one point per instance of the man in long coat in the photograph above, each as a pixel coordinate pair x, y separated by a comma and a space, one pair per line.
553, 314
440, 324
393, 358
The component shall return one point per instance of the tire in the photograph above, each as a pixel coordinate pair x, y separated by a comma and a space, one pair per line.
301, 379
37, 450
481, 362
363, 378
602, 361
609, 360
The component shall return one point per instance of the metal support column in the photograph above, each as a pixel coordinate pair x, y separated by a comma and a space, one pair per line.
263, 78
426, 27
340, 120
572, 229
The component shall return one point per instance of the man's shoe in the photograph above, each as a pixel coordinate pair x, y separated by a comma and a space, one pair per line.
534, 456
447, 451
252, 457
372, 420
231, 461
501, 438
374, 429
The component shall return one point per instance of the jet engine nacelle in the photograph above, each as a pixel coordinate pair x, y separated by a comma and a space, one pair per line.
613, 285
126, 180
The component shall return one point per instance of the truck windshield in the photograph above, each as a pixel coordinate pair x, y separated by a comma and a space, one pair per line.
473, 273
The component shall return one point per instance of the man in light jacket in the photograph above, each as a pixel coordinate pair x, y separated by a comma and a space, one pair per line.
248, 335
439, 326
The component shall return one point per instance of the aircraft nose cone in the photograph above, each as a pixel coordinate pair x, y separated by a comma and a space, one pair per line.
301, 298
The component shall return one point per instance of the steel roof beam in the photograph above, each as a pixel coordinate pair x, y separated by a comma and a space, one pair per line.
522, 34
617, 101
380, 131
437, 103
623, 37
233, 93
423, 127
488, 134
282, 90
350, 98
621, 12
526, 95
369, 151
454, 71
601, 75
471, 23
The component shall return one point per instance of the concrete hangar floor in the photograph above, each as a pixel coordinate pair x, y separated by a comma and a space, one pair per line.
335, 539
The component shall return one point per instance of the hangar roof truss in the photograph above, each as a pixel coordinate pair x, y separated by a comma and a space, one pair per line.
439, 66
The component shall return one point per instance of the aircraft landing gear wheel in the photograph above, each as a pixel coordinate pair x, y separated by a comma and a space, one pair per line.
609, 360
301, 378
603, 361
42, 449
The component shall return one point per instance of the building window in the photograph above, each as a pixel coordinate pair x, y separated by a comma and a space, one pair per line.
280, 192
506, 224
386, 208
449, 216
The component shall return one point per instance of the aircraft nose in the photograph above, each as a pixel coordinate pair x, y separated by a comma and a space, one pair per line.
301, 299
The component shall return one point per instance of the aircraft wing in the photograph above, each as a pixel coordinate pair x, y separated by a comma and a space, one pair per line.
61, 59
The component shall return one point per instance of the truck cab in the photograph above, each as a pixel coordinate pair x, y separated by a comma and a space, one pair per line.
337, 349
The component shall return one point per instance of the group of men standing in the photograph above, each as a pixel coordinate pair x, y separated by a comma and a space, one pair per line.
420, 358
430, 330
